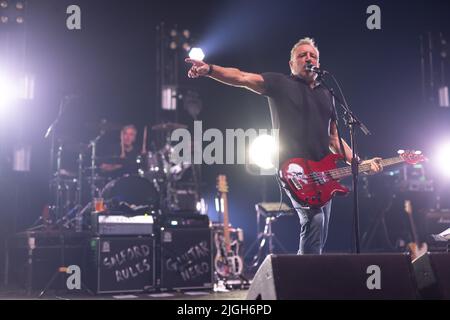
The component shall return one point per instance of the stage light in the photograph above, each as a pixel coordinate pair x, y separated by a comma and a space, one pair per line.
169, 97
12, 12
442, 159
443, 97
262, 151
8, 91
196, 54
186, 46
186, 34
173, 45
14, 88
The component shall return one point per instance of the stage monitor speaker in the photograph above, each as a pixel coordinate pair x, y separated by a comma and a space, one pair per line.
432, 271
334, 276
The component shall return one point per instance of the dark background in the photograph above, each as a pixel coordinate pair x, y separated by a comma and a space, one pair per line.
110, 65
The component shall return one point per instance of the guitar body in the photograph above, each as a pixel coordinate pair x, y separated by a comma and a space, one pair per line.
309, 182
227, 264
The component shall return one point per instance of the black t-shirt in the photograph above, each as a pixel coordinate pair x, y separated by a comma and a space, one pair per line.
129, 163
301, 114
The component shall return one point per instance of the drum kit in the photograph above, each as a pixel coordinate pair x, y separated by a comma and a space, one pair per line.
153, 187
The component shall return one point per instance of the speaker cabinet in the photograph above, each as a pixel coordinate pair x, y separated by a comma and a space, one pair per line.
122, 264
334, 276
432, 271
186, 258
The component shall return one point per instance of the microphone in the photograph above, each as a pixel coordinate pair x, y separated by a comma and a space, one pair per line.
312, 68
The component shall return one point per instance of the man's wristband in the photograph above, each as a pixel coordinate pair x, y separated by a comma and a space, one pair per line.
210, 70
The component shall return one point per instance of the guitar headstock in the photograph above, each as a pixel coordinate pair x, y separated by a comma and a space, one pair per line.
222, 185
411, 157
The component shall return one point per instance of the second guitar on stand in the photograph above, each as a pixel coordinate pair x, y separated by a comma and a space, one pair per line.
228, 261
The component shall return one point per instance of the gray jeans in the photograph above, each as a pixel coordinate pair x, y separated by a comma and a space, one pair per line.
314, 227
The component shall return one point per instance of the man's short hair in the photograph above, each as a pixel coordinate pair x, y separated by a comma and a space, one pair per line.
129, 126
300, 42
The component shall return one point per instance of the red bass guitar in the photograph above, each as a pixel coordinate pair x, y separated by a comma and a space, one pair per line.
314, 183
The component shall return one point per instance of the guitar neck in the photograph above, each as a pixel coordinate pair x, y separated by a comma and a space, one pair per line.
340, 173
226, 221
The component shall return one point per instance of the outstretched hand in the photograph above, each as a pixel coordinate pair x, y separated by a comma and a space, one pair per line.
198, 68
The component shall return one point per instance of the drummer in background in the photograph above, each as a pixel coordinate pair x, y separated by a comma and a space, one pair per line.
124, 156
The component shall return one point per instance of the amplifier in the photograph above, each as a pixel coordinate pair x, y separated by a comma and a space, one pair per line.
184, 220
437, 221
185, 258
184, 200
33, 257
121, 264
118, 224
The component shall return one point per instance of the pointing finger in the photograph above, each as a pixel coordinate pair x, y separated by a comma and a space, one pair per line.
193, 61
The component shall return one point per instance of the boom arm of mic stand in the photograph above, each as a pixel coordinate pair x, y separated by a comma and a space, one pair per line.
350, 116
51, 128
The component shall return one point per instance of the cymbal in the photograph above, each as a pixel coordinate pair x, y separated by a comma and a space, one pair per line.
79, 147
66, 173
71, 144
168, 126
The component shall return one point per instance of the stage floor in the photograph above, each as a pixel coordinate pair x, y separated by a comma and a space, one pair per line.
237, 294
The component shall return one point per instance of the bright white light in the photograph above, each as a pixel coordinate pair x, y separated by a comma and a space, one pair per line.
262, 151
14, 88
202, 206
442, 159
8, 91
196, 54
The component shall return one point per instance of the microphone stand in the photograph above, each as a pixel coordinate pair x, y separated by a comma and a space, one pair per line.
51, 132
350, 121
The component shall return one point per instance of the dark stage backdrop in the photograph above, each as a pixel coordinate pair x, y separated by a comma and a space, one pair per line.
110, 65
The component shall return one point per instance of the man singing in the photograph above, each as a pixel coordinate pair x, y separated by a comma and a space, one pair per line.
307, 125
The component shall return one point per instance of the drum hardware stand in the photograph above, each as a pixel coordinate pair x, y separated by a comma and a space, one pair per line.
56, 177
79, 199
93, 145
67, 218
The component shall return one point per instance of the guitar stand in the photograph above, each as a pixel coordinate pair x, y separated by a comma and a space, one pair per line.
267, 236
226, 284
